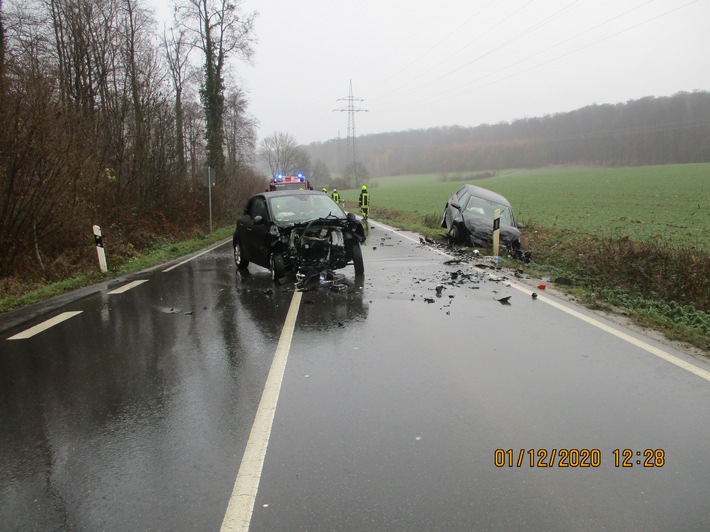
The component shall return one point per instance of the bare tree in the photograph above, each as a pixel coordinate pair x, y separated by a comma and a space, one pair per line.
2, 54
279, 152
222, 31
302, 163
240, 133
320, 173
177, 52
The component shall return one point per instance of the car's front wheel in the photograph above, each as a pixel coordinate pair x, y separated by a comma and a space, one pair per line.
239, 258
276, 265
454, 234
356, 252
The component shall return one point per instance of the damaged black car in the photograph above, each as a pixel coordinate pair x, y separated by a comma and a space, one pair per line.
294, 232
468, 218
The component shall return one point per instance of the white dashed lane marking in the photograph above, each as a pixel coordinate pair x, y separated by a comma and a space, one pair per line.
127, 287
29, 333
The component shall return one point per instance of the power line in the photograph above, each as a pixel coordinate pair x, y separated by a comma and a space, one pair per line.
452, 93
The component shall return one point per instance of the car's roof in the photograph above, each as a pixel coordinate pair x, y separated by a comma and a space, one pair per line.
485, 194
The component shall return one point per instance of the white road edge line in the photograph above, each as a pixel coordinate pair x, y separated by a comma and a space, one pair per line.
29, 333
704, 374
195, 256
127, 287
241, 503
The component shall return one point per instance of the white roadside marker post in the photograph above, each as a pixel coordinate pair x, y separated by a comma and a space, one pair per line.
496, 233
100, 249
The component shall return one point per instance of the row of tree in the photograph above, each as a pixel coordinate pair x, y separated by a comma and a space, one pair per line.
108, 121
648, 131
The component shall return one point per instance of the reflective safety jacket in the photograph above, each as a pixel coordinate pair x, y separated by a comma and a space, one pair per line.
336, 196
364, 199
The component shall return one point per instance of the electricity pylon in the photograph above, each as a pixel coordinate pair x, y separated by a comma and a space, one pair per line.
350, 153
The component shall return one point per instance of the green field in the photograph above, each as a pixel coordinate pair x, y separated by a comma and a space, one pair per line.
668, 205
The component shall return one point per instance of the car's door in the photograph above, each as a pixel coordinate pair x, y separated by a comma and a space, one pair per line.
460, 199
254, 228
262, 223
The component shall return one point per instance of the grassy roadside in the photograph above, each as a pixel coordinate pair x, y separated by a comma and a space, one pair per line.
609, 275
20, 294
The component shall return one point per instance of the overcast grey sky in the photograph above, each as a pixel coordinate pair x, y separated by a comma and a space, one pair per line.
418, 64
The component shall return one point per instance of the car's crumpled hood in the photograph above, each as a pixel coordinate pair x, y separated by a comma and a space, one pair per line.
352, 226
481, 230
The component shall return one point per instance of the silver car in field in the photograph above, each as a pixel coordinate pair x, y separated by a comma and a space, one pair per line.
468, 218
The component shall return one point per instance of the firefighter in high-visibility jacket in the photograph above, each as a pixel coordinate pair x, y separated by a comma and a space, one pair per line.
336, 196
364, 202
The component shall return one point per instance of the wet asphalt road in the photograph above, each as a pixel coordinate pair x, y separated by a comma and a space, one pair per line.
135, 413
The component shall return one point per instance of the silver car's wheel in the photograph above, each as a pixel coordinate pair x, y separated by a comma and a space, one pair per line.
454, 233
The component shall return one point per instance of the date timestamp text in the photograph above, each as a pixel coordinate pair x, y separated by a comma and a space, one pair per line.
577, 458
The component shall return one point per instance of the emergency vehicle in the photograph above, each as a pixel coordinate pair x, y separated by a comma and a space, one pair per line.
289, 182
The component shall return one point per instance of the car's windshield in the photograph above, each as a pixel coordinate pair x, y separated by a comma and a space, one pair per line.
303, 208
486, 208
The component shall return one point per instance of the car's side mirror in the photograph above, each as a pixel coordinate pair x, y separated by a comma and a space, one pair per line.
351, 217
258, 220
520, 225
455, 206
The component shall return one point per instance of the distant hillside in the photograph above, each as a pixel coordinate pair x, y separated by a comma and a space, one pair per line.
648, 131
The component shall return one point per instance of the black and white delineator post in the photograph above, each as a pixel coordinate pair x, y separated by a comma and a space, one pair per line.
496, 232
100, 249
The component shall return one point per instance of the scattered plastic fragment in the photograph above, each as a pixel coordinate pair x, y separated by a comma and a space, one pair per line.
504, 300
542, 286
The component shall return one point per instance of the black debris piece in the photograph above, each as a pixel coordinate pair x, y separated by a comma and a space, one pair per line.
428, 300
534, 295
504, 300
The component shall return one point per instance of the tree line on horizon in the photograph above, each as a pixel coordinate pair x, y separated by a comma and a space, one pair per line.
647, 131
